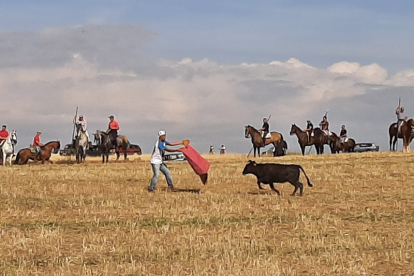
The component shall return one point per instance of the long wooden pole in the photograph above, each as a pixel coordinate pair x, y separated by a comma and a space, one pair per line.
76, 115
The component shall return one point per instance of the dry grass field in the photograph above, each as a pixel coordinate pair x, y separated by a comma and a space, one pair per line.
94, 219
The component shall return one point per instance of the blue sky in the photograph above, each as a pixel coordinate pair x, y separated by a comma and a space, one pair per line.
227, 33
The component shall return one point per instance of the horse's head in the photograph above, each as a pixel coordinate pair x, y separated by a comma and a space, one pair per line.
13, 137
293, 129
97, 137
56, 147
247, 131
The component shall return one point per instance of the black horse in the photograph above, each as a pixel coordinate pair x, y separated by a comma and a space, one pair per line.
105, 144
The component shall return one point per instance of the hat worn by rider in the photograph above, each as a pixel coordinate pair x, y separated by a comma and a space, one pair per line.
80, 116
112, 116
161, 133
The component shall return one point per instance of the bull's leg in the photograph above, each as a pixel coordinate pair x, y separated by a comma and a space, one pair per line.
273, 188
298, 185
260, 186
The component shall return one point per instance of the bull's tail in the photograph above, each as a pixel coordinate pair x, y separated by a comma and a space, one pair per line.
307, 178
16, 162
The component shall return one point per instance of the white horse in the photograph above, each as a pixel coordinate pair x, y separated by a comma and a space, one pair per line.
81, 143
7, 149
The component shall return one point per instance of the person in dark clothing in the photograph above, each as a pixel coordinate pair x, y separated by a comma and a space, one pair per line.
309, 129
265, 129
343, 135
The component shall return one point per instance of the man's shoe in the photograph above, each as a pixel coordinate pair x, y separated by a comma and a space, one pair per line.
174, 190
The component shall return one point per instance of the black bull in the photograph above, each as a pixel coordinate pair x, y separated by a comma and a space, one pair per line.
276, 173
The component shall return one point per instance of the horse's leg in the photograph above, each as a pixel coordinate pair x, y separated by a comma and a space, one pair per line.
254, 151
390, 141
395, 141
303, 147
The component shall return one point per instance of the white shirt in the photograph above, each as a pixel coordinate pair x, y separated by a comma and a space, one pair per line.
158, 152
83, 123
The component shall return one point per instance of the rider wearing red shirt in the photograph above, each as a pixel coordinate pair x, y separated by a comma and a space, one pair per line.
36, 140
3, 133
113, 129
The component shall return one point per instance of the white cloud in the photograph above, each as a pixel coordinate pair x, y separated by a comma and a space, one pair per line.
201, 99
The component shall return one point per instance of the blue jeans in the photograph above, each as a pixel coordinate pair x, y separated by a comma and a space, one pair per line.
156, 168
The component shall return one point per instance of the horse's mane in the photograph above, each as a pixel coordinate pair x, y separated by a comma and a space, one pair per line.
100, 132
52, 142
252, 128
294, 125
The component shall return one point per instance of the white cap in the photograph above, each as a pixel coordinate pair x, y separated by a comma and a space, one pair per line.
161, 133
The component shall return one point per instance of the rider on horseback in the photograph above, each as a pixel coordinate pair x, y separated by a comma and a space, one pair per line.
325, 125
401, 117
81, 121
265, 129
3, 134
343, 135
309, 129
113, 129
36, 143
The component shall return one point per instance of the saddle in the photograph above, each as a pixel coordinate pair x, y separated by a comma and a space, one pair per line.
269, 135
32, 149
312, 133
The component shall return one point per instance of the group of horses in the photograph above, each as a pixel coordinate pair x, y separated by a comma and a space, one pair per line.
319, 139
103, 141
80, 143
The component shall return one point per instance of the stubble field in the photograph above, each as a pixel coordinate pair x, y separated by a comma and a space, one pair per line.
95, 219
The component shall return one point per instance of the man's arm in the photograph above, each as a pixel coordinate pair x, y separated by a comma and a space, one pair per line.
175, 143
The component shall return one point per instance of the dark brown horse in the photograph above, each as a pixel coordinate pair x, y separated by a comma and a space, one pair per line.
257, 139
103, 140
318, 139
24, 155
407, 131
392, 131
337, 146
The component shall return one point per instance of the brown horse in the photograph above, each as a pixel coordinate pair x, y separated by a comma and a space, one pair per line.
337, 146
105, 144
392, 131
24, 155
257, 139
318, 139
407, 130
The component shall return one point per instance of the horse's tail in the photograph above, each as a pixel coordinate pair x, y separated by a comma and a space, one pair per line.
307, 178
16, 162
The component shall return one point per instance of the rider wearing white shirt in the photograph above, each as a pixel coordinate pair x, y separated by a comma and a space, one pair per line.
81, 121
157, 160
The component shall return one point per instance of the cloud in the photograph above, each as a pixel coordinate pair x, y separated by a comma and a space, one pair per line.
104, 70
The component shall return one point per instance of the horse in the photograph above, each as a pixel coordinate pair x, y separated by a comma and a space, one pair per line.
392, 131
257, 139
24, 155
103, 140
318, 139
81, 143
7, 149
407, 131
336, 145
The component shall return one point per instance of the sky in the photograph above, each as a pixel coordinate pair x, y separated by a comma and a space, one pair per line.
202, 70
